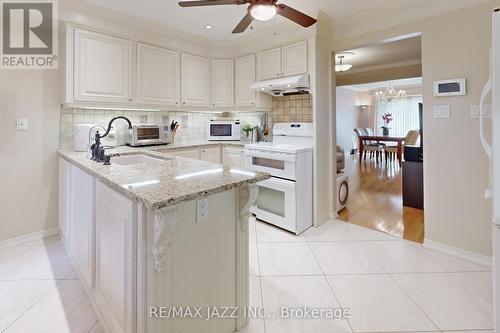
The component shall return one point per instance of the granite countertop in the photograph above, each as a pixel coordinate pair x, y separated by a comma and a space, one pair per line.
166, 181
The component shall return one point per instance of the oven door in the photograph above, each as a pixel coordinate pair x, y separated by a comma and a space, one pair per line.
277, 164
221, 131
276, 203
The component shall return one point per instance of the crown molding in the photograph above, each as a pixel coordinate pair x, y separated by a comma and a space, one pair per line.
74, 11
394, 13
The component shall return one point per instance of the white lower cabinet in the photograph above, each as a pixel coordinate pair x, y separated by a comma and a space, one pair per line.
210, 155
115, 259
234, 157
82, 222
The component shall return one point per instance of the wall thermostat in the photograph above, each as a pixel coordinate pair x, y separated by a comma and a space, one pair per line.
453, 87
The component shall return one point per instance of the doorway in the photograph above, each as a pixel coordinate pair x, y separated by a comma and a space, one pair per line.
379, 134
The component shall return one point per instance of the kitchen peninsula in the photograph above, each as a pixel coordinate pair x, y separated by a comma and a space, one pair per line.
151, 230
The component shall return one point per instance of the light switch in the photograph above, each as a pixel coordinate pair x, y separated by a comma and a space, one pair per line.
21, 124
474, 111
202, 211
441, 111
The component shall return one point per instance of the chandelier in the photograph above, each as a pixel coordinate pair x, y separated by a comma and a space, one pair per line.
390, 95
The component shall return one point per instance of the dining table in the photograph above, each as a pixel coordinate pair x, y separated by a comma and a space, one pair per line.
399, 140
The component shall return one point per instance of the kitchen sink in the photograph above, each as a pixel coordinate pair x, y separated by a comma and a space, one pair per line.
134, 159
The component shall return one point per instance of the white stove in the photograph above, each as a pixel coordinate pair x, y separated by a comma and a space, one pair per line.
285, 200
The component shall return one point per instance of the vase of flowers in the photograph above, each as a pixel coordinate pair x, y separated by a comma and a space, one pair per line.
387, 118
248, 129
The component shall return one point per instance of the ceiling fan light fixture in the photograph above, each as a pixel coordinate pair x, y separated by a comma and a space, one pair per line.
263, 12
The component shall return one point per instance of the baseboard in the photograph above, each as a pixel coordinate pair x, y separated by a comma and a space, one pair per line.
34, 236
459, 253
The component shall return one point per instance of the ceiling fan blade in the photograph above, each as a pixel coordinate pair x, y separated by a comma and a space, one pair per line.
295, 16
211, 3
244, 24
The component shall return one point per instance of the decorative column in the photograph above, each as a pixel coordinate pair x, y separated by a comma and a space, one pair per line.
246, 196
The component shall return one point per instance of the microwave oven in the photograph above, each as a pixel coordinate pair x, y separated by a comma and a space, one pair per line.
146, 135
224, 130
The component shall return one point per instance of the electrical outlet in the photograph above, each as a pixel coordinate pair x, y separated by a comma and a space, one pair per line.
143, 119
21, 124
202, 211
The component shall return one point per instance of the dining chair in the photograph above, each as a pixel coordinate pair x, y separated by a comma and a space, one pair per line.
368, 146
410, 140
371, 132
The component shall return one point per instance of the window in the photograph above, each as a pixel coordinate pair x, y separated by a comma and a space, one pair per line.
404, 114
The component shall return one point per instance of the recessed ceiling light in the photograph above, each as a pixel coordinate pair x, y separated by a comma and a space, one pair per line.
208, 27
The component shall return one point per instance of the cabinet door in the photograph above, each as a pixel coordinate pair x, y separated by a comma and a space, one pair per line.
223, 82
115, 265
187, 153
269, 64
195, 80
210, 155
65, 198
103, 67
158, 75
245, 77
294, 59
82, 223
234, 157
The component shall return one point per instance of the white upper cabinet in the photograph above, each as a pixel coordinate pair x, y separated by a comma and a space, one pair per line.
285, 61
269, 63
195, 80
102, 67
245, 77
158, 75
223, 82
294, 59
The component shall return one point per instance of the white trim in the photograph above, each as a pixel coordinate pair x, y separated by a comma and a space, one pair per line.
34, 236
459, 253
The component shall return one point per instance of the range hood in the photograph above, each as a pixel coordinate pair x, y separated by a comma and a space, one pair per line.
291, 85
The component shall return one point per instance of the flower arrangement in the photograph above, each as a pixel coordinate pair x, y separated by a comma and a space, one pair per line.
387, 118
248, 129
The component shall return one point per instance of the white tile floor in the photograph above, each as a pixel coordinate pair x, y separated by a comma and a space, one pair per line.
389, 285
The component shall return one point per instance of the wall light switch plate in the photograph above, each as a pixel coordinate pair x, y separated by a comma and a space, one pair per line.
21, 124
474, 111
441, 111
202, 211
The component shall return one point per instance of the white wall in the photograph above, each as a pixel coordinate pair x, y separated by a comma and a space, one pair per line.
28, 168
349, 117
454, 44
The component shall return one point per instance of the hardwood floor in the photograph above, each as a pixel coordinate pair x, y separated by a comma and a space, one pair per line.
375, 200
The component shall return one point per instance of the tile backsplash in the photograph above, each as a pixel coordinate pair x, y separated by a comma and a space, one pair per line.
193, 125
293, 108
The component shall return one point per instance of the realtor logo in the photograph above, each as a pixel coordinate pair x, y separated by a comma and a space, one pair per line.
29, 34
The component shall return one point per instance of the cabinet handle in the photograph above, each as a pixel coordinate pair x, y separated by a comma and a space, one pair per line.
184, 103
130, 99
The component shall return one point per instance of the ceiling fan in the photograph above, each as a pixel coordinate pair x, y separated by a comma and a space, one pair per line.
261, 10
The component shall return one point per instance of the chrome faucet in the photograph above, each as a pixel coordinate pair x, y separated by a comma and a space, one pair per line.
98, 153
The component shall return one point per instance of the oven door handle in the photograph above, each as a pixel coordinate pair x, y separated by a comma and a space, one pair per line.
278, 184
272, 156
